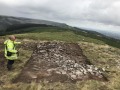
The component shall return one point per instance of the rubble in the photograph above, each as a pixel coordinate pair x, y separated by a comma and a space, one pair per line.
62, 61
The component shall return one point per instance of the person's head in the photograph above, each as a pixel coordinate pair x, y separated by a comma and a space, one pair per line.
12, 37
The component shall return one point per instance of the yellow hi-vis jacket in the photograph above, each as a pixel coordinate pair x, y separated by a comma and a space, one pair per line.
11, 48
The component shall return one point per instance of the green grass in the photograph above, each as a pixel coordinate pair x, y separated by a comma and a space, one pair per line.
54, 33
63, 34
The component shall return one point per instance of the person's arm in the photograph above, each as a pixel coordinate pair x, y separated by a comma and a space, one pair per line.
17, 42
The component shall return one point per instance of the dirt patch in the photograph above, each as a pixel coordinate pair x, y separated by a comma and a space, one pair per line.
58, 62
27, 45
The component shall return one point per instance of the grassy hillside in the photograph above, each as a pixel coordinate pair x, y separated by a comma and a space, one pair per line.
12, 23
56, 33
103, 52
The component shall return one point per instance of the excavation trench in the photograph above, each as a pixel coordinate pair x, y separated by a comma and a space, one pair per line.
58, 62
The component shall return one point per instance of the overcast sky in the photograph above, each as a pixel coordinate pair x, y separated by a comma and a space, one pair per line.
96, 14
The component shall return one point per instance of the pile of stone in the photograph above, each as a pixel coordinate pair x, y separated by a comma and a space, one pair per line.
59, 58
54, 54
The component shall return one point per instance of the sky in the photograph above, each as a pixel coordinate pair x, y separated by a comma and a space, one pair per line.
93, 14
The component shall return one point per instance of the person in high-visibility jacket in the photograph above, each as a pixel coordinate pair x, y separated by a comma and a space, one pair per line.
11, 54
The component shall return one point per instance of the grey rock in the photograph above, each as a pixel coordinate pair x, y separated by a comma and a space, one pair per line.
73, 77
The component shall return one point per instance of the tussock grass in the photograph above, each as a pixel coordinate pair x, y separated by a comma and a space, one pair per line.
104, 56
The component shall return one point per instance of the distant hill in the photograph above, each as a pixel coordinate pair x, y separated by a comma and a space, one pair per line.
12, 23
108, 33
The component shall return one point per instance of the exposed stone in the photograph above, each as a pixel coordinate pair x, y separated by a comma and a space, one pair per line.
73, 77
64, 59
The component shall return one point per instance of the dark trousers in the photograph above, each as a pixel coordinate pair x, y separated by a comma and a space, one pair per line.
9, 64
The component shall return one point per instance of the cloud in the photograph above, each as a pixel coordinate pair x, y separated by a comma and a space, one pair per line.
73, 12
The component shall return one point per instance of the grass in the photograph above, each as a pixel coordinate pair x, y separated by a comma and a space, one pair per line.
104, 56
97, 51
54, 33
7, 76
